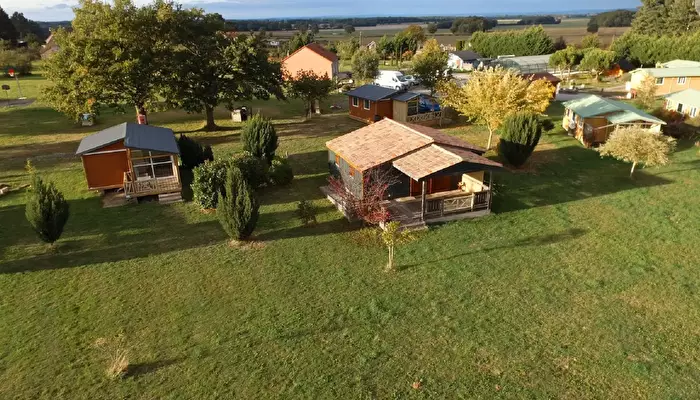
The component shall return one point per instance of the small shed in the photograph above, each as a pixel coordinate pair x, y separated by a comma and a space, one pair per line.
371, 103
140, 159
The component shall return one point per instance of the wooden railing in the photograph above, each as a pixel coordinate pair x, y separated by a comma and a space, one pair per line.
149, 186
429, 116
448, 205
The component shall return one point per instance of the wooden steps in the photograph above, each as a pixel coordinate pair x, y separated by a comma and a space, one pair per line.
168, 198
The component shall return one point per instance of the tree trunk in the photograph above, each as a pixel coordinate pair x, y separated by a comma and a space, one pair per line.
211, 124
141, 115
488, 145
634, 164
390, 264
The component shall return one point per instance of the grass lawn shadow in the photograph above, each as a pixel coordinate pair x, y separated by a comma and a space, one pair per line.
139, 369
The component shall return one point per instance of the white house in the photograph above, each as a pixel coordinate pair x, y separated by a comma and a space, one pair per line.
465, 59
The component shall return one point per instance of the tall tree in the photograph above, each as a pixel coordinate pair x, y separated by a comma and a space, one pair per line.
592, 40
415, 35
120, 51
566, 59
299, 40
349, 29
430, 65
683, 17
493, 94
347, 48
385, 47
46, 210
598, 61
310, 88
638, 146
432, 28
26, 27
207, 68
651, 17
365, 64
646, 92
520, 134
7, 29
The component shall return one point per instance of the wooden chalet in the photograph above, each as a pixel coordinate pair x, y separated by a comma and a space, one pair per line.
371, 103
592, 119
440, 177
141, 160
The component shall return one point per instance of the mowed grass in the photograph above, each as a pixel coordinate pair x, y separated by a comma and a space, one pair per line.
582, 284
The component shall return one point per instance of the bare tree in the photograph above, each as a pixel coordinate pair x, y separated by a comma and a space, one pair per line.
371, 206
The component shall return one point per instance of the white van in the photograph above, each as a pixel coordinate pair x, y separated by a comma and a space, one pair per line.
392, 79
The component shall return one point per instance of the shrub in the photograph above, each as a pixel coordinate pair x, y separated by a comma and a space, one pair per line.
259, 138
519, 135
306, 211
46, 211
254, 170
20, 60
237, 208
192, 153
638, 146
208, 181
281, 172
115, 355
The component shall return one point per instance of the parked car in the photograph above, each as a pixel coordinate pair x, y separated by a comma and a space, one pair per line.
412, 80
392, 79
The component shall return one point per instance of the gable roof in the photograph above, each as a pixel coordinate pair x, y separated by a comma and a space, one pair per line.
542, 75
135, 136
466, 55
690, 97
415, 150
669, 72
372, 92
318, 49
680, 64
591, 106
405, 96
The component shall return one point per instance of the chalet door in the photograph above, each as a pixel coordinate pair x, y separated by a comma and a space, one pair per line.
441, 184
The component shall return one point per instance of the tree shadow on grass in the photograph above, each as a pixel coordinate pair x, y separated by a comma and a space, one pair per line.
315, 162
533, 241
140, 369
96, 235
570, 173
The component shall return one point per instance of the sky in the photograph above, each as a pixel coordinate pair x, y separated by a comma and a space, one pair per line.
59, 10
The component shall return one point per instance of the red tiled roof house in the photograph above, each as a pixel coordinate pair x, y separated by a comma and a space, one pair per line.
312, 57
440, 177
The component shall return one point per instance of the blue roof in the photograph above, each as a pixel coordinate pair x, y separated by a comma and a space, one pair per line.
372, 92
135, 136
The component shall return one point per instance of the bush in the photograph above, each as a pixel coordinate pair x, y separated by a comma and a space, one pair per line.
254, 170
237, 208
46, 211
520, 134
207, 182
281, 172
259, 138
306, 211
192, 153
20, 60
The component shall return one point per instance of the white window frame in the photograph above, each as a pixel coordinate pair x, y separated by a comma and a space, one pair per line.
355, 102
365, 104
659, 81
152, 164
681, 80
693, 112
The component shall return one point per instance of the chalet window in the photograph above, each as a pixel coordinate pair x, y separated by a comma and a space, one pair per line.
680, 107
365, 104
412, 107
152, 164
693, 112
681, 80
355, 102
659, 81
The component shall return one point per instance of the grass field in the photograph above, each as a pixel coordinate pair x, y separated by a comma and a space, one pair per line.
582, 284
573, 30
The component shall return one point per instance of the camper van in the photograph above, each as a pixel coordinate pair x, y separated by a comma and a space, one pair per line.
392, 79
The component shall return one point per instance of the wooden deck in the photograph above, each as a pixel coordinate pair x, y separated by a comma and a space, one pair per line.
149, 187
440, 207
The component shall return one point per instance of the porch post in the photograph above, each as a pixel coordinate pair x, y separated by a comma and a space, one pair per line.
422, 201
490, 187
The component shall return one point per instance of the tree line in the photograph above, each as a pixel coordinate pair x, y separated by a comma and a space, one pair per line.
609, 19
17, 27
527, 42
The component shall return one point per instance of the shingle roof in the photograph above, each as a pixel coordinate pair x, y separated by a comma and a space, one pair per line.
593, 105
318, 49
389, 140
467, 55
669, 72
405, 96
135, 136
690, 97
372, 92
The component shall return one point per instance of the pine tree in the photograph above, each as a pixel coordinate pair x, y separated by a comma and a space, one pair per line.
237, 208
7, 29
260, 138
46, 211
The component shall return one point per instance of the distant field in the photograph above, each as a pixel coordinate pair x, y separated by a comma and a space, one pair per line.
573, 30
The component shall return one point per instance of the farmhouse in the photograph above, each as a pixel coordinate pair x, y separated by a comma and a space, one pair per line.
591, 119
668, 80
371, 103
312, 57
686, 102
439, 177
141, 160
463, 60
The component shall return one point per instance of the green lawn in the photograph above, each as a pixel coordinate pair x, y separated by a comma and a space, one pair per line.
582, 284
